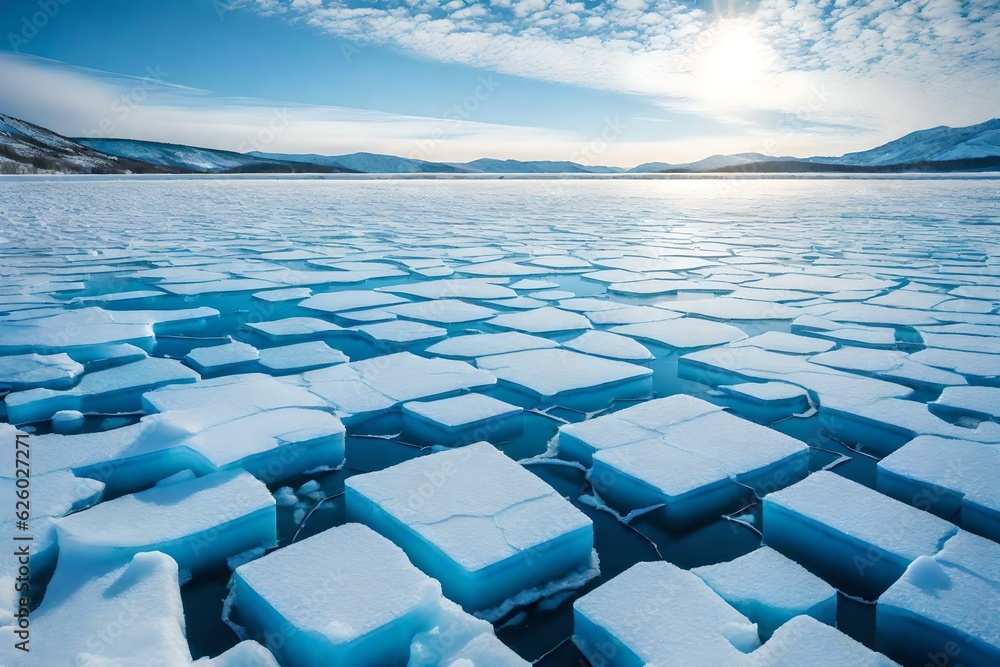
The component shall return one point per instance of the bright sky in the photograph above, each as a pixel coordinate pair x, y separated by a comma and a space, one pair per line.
618, 82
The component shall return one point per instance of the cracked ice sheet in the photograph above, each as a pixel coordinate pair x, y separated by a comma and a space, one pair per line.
954, 479
805, 641
91, 327
366, 604
976, 402
541, 321
552, 374
771, 589
200, 523
684, 453
830, 524
337, 302
686, 332
244, 421
94, 615
476, 289
892, 365
943, 600
118, 387
442, 311
401, 332
490, 530
658, 614
28, 371
481, 345
609, 345
362, 389
291, 328
729, 308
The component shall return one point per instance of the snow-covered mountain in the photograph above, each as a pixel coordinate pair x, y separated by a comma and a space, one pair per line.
26, 148
369, 163
710, 163
205, 160
938, 144
491, 166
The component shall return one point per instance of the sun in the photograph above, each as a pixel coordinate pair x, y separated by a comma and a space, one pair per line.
732, 64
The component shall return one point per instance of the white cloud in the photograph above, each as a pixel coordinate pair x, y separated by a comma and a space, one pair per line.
892, 66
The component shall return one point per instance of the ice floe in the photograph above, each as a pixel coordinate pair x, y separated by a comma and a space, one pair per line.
479, 523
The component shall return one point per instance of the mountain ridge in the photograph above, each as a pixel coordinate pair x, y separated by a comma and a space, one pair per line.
29, 148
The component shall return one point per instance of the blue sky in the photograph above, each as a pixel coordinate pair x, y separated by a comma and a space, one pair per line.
617, 82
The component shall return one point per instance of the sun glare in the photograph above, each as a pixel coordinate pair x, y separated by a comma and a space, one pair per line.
732, 64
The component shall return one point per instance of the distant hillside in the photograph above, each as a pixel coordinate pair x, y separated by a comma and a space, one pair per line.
26, 148
203, 160
710, 163
938, 144
370, 163
491, 166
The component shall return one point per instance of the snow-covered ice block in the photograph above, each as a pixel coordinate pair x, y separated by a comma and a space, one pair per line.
518, 303
481, 345
728, 308
479, 523
685, 454
346, 596
769, 401
590, 305
98, 357
130, 614
955, 479
673, 285
268, 427
977, 402
556, 375
857, 539
219, 286
805, 641
533, 284
401, 332
300, 357
368, 316
541, 321
285, 294
247, 653
90, 327
292, 328
442, 311
28, 371
53, 494
820, 284
199, 523
463, 419
477, 289
632, 315
770, 589
687, 332
658, 614
981, 366
364, 388
779, 341
942, 610
892, 365
336, 302
115, 389
221, 358
485, 650
500, 267
609, 345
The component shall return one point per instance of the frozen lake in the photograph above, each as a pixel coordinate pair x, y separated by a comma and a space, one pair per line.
672, 370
